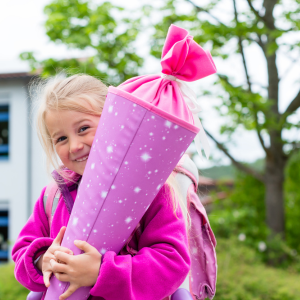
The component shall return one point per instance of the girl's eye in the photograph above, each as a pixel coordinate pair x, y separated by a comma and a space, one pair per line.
60, 139
83, 128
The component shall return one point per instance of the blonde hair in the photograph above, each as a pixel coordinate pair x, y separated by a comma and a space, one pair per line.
175, 192
62, 93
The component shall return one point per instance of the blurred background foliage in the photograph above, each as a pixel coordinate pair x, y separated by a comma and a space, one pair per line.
241, 216
292, 202
84, 25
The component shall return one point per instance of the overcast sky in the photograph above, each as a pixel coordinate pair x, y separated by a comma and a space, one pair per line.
21, 29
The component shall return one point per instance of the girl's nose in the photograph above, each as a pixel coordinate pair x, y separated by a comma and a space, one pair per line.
75, 145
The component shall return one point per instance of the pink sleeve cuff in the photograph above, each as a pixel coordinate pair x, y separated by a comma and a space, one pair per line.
36, 248
106, 263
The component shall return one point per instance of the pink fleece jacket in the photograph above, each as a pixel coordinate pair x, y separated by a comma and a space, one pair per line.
154, 269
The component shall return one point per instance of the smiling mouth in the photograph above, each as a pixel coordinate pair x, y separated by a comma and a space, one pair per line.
82, 158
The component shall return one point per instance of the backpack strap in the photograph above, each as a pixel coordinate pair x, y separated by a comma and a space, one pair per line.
53, 192
51, 198
187, 167
202, 277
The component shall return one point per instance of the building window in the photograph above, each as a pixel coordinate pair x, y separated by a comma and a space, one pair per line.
4, 134
3, 235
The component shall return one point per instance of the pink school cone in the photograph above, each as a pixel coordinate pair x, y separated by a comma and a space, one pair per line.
144, 130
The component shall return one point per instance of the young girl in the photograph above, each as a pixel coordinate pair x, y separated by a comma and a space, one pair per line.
156, 260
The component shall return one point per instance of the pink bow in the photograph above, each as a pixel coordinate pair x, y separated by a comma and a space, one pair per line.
183, 58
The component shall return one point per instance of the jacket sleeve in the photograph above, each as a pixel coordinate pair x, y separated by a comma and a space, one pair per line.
32, 241
161, 263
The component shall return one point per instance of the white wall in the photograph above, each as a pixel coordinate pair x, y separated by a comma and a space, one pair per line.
23, 175
13, 171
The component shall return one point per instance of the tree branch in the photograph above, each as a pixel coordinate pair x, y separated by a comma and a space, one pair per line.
254, 10
290, 67
200, 9
258, 131
257, 125
261, 43
267, 22
239, 165
258, 41
294, 105
240, 42
268, 17
260, 85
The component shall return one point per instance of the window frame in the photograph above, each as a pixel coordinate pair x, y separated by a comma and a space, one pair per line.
4, 230
4, 117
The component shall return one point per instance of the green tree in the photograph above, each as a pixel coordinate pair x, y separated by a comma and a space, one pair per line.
251, 23
84, 24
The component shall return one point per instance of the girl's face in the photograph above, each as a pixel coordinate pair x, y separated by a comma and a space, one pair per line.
72, 134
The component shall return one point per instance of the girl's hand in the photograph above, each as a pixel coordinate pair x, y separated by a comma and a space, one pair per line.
79, 270
44, 262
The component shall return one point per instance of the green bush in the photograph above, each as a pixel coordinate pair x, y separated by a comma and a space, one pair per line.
242, 215
292, 202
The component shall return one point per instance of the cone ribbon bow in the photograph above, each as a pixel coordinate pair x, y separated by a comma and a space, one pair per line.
184, 60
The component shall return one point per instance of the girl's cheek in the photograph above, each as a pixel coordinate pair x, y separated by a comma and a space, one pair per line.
63, 155
91, 139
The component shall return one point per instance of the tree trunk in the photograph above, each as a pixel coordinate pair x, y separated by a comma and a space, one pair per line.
275, 158
274, 179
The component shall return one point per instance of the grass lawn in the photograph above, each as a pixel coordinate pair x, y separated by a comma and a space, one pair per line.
10, 289
240, 277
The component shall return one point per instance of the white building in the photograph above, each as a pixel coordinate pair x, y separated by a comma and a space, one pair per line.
22, 168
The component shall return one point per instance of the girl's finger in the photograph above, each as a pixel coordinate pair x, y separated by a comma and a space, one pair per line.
64, 257
46, 278
72, 288
58, 268
82, 245
62, 277
48, 256
60, 235
64, 249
